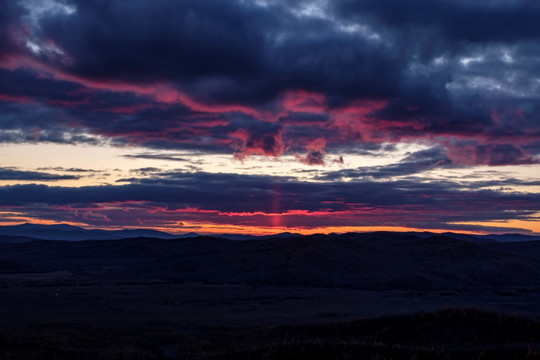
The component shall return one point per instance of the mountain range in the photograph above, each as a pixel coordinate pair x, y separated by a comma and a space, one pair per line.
27, 232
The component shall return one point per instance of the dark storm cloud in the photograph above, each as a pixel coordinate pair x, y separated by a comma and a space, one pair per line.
215, 75
145, 41
220, 51
459, 20
227, 51
123, 117
9, 15
14, 174
23, 83
33, 122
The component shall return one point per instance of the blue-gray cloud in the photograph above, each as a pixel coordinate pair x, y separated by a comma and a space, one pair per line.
210, 197
14, 174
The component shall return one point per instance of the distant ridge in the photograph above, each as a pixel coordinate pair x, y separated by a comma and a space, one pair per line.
74, 233
27, 232
241, 237
510, 237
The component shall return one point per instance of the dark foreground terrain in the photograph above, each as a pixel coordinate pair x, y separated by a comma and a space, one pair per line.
351, 296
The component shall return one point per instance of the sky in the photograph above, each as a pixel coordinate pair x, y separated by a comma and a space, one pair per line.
265, 116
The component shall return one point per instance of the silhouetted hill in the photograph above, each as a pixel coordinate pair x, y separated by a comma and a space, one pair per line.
207, 297
360, 260
510, 237
450, 333
16, 239
74, 233
445, 334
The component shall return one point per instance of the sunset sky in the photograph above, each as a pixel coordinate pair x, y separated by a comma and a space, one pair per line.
264, 116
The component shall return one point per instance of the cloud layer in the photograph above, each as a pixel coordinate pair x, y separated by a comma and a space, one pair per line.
167, 199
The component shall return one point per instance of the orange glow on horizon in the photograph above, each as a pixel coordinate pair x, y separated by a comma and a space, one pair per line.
531, 225
262, 231
216, 229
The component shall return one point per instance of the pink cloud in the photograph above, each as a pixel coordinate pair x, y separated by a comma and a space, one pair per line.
257, 143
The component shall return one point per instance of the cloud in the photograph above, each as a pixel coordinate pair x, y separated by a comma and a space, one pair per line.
72, 170
258, 200
417, 162
460, 20
244, 78
259, 139
313, 157
14, 174
471, 153
156, 157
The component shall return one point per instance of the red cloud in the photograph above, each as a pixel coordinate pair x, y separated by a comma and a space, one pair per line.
258, 143
499, 143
